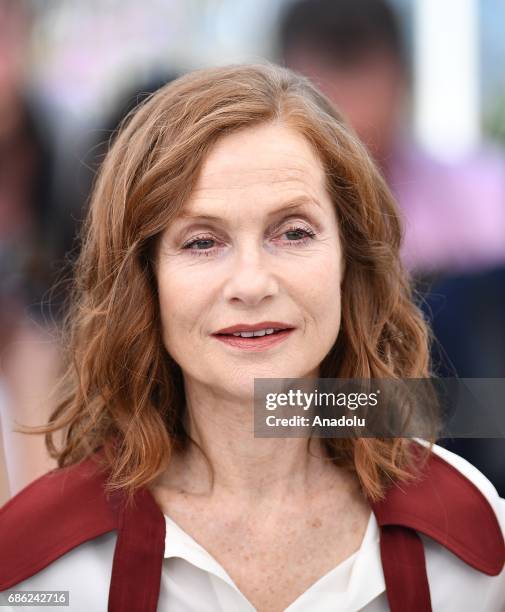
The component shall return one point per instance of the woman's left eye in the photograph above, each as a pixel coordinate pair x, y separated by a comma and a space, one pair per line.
303, 235
306, 234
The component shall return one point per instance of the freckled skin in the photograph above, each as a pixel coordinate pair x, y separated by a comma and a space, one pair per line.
275, 556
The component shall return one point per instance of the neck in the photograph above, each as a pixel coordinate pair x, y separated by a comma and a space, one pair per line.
242, 466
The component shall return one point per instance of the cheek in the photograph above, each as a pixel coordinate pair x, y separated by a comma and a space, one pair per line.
182, 305
171, 299
323, 293
169, 319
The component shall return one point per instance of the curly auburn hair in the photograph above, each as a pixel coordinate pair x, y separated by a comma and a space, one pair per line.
121, 391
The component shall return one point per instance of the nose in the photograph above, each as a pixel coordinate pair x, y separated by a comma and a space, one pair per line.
250, 279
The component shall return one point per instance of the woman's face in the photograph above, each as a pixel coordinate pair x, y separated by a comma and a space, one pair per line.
259, 244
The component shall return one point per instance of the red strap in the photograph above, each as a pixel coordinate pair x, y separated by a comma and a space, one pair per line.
138, 556
404, 567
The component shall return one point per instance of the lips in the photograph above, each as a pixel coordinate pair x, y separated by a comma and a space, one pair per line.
256, 343
245, 327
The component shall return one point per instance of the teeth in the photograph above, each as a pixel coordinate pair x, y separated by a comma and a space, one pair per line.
259, 332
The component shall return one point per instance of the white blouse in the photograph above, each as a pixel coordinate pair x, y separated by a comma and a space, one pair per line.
192, 580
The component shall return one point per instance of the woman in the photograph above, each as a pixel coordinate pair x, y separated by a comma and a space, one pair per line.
236, 200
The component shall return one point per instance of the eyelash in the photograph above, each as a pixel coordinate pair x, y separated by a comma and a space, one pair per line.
309, 235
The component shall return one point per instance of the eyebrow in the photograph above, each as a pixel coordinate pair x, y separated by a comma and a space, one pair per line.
294, 203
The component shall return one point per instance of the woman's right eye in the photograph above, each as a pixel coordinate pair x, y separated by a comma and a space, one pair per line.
200, 250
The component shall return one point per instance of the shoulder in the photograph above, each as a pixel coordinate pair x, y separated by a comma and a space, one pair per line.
465, 498
477, 478
446, 503
454, 583
53, 515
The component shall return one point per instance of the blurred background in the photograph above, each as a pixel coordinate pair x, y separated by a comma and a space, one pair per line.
420, 80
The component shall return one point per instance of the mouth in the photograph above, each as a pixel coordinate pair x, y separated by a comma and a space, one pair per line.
248, 341
257, 328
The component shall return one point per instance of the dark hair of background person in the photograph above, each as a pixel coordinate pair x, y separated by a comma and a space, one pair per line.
344, 31
134, 95
76, 184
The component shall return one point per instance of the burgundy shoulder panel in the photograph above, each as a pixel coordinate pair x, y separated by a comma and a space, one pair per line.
446, 506
52, 515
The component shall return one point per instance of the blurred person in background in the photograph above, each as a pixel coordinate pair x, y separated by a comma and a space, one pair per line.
454, 214
33, 351
28, 356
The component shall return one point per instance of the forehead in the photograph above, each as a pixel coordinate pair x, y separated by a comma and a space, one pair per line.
269, 158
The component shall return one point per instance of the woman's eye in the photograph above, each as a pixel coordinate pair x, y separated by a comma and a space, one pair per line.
203, 245
196, 248
304, 234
